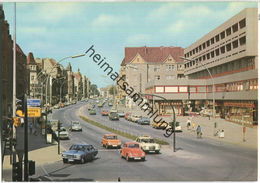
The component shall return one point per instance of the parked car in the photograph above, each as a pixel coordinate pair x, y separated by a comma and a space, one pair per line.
64, 134
132, 151
160, 125
100, 104
110, 104
121, 114
135, 118
111, 140
104, 113
92, 112
143, 121
177, 126
75, 126
79, 153
113, 116
148, 144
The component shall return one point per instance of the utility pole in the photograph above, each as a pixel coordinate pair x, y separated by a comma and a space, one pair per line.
1, 94
14, 95
25, 139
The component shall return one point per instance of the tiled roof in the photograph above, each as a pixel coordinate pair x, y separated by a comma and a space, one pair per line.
153, 54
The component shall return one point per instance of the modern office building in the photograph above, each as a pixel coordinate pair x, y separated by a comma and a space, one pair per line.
230, 54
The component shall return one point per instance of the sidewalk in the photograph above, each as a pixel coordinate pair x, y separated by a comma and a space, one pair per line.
39, 151
233, 133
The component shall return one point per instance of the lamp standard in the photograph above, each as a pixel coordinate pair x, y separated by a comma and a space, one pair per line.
173, 117
213, 88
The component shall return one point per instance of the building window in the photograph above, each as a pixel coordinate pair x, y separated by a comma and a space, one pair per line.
217, 38
204, 57
228, 31
208, 56
204, 45
208, 43
228, 46
156, 68
222, 49
183, 89
169, 67
235, 44
217, 52
235, 27
200, 48
212, 40
157, 77
242, 23
212, 54
222, 35
242, 40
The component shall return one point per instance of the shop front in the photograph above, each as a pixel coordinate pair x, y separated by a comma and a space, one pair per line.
243, 112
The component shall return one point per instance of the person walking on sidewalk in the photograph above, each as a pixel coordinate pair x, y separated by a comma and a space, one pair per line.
188, 123
199, 133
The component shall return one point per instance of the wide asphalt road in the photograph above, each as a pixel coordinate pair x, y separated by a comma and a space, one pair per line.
194, 160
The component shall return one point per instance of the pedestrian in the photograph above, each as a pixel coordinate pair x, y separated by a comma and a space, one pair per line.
199, 133
30, 127
193, 126
188, 124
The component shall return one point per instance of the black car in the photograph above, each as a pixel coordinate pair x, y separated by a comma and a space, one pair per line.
79, 153
143, 121
113, 116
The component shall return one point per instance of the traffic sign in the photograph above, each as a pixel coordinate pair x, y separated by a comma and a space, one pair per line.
34, 102
34, 112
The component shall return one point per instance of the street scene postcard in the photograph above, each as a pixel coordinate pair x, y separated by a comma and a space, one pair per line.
129, 91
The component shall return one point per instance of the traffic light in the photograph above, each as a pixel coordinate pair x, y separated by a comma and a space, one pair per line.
17, 172
16, 121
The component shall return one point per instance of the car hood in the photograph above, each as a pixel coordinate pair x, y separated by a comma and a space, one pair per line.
135, 150
114, 141
149, 144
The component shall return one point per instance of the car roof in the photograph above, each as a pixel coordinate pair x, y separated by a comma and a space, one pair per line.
111, 134
145, 137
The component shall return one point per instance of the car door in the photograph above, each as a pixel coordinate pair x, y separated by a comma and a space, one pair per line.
103, 142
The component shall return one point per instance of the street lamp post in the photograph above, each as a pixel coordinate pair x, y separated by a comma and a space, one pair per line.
173, 118
213, 90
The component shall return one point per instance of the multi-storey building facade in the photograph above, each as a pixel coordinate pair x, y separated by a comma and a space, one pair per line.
229, 52
144, 64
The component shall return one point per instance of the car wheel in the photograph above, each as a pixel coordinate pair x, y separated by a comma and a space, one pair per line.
143, 159
157, 152
65, 160
92, 157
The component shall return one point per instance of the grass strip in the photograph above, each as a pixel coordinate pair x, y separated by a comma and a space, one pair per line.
118, 132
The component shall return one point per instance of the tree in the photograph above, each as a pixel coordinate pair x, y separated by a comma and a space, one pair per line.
94, 90
112, 89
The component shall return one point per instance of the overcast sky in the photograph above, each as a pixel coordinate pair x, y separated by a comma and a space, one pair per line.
57, 30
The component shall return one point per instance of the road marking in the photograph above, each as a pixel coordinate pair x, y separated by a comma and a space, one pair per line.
46, 173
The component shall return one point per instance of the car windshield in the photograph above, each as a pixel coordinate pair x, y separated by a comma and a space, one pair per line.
63, 130
147, 140
77, 147
133, 145
75, 123
146, 119
111, 137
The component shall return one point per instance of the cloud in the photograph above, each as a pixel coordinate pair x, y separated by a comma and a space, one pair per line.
164, 10
105, 21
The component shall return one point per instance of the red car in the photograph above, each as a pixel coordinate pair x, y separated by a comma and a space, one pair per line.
104, 113
132, 151
127, 115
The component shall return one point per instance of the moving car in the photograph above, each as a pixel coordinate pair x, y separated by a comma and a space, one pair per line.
160, 125
132, 151
111, 140
148, 144
113, 116
64, 134
100, 104
143, 121
135, 118
110, 104
104, 113
127, 116
92, 112
177, 126
75, 126
79, 153
121, 114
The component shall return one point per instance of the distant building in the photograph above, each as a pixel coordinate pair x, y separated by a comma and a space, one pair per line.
142, 65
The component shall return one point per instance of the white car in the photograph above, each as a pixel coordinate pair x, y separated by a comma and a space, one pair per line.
148, 144
64, 134
75, 126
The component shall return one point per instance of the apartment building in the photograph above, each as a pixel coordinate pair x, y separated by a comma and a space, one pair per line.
230, 54
144, 64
